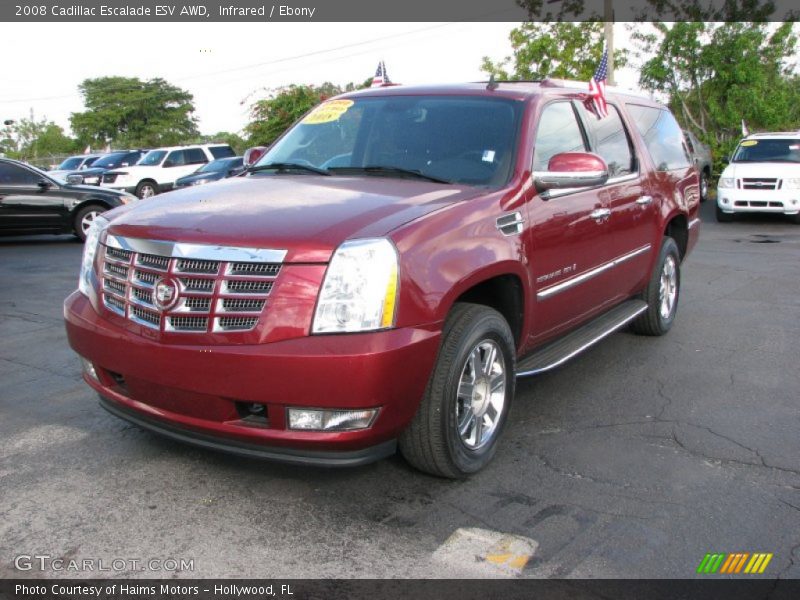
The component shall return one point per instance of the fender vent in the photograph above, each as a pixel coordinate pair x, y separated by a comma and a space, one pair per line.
510, 224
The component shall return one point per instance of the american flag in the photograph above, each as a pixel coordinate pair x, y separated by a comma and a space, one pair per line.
381, 78
597, 88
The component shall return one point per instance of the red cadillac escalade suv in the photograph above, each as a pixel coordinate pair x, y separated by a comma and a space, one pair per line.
385, 271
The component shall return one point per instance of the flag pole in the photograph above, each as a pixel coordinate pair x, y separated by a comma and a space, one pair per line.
608, 18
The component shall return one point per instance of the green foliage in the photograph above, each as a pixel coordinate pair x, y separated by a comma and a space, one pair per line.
557, 50
271, 116
715, 75
128, 112
29, 139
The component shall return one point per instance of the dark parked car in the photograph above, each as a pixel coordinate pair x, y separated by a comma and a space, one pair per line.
701, 156
213, 171
32, 202
114, 160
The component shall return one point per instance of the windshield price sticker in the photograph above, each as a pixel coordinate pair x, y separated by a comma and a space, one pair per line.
327, 112
747, 143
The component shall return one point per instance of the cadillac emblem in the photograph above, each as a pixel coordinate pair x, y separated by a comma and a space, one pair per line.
165, 293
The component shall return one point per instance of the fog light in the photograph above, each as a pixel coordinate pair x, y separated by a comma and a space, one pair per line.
724, 200
309, 419
88, 368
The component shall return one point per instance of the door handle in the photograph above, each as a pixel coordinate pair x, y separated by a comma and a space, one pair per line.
644, 200
600, 213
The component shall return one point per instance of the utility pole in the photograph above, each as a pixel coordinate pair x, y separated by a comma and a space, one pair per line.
608, 18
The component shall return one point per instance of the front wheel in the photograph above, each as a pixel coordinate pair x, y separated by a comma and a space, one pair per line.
146, 189
662, 292
84, 218
466, 403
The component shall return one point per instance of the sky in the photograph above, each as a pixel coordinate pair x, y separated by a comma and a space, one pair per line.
227, 66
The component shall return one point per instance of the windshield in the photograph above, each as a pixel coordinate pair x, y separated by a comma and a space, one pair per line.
154, 157
459, 139
768, 150
220, 165
110, 161
70, 164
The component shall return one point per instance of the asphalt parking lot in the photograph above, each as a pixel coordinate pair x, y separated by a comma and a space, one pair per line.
632, 461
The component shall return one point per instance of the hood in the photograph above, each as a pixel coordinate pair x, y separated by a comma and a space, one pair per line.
95, 190
307, 215
780, 170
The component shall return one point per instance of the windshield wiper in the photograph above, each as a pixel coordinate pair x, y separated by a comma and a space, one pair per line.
380, 169
287, 166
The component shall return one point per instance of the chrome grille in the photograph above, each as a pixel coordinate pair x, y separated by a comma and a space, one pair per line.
239, 286
760, 183
235, 305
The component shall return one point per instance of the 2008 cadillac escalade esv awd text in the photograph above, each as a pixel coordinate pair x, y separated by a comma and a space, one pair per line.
386, 270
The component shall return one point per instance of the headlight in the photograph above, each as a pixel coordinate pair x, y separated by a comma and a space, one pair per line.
199, 181
726, 182
360, 288
792, 183
89, 250
125, 198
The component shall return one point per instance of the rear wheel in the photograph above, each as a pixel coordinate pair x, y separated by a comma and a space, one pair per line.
84, 218
703, 186
662, 292
146, 189
723, 217
466, 403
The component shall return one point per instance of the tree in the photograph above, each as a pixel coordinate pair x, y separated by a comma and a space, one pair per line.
715, 75
128, 112
271, 116
559, 50
29, 139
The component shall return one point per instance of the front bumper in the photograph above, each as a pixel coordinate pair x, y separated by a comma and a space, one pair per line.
196, 393
784, 202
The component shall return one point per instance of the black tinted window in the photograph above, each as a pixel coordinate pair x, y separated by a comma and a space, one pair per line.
221, 151
176, 158
609, 140
662, 136
16, 175
195, 156
558, 132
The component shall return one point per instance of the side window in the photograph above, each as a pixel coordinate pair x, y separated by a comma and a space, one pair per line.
662, 135
14, 175
195, 156
176, 158
610, 140
558, 132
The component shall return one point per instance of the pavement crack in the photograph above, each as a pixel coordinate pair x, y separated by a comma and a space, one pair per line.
43, 369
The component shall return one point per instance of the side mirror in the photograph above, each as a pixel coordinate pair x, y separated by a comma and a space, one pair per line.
253, 155
572, 170
74, 179
43, 185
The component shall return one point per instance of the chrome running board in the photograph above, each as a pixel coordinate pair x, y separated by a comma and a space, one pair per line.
560, 351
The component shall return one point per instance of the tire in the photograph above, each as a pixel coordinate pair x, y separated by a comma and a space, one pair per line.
433, 442
662, 292
703, 186
84, 218
723, 217
146, 189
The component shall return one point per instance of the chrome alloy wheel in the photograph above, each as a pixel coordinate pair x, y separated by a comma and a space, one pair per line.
668, 288
147, 191
88, 219
481, 395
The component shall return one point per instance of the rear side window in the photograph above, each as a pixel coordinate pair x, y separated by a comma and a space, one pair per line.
221, 151
662, 135
176, 158
558, 132
609, 140
195, 156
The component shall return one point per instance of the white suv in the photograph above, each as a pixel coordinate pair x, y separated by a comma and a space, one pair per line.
763, 176
158, 169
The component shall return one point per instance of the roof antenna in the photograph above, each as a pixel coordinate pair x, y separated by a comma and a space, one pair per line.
492, 85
